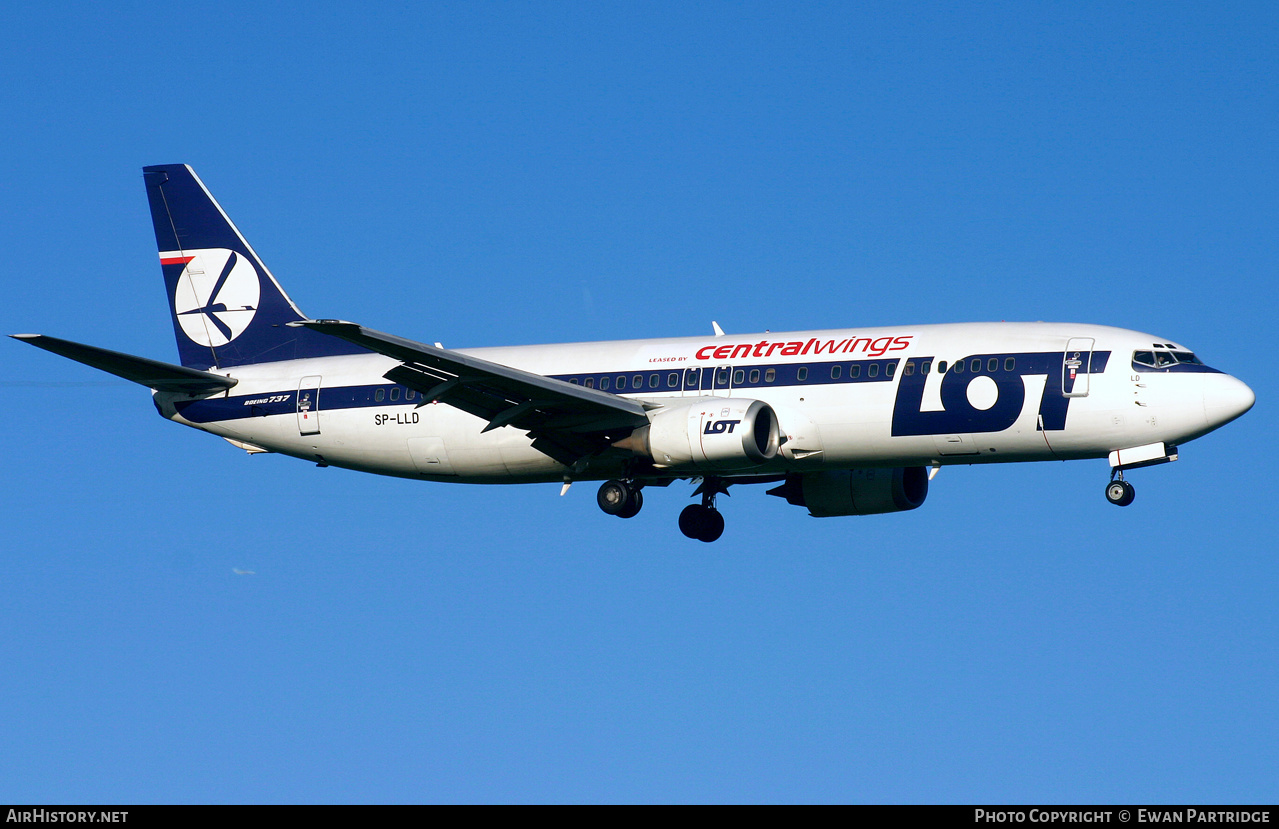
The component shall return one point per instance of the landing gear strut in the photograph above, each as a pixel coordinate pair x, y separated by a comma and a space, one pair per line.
1119, 492
702, 521
620, 498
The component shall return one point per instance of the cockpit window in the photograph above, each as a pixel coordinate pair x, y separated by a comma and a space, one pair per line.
1160, 358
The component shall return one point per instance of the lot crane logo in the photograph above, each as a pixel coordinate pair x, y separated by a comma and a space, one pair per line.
216, 297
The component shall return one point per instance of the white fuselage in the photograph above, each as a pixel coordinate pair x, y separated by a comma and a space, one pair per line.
1039, 391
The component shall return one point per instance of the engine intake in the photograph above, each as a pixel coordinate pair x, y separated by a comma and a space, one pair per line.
708, 434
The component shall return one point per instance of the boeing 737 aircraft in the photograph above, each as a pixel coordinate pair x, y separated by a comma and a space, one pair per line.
842, 422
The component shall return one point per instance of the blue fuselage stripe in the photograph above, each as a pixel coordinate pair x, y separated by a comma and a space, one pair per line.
705, 379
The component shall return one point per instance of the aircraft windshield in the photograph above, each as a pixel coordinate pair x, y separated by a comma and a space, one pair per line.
1163, 358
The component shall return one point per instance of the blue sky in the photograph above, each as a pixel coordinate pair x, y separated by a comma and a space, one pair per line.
505, 173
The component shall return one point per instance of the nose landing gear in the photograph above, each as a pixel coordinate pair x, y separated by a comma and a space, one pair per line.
1119, 492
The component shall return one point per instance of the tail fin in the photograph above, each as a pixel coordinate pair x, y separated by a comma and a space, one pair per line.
227, 308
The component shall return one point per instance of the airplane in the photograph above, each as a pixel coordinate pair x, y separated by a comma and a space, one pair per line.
840, 422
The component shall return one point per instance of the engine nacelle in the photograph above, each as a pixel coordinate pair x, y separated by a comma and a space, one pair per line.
856, 491
708, 434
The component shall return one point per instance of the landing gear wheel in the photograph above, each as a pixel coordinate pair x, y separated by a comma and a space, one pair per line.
702, 523
690, 520
1120, 493
714, 526
633, 506
620, 498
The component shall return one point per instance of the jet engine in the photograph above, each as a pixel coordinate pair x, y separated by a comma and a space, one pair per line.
856, 491
708, 434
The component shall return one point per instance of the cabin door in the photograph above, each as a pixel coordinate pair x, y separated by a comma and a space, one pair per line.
309, 406
1076, 364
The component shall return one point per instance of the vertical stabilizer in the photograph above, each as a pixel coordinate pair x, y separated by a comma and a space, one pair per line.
227, 308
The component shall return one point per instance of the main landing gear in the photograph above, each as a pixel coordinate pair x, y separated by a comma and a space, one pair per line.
702, 521
1119, 492
620, 498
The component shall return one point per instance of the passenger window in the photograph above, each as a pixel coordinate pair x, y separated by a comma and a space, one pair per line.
854, 371
654, 379
672, 380
910, 369
395, 392
992, 365
573, 380
409, 394
959, 367
603, 383
873, 371
890, 369
690, 378
589, 382
721, 377
754, 375
379, 395
770, 375
925, 366
941, 367
637, 382
802, 374
621, 382
739, 377
1010, 364
835, 372
974, 365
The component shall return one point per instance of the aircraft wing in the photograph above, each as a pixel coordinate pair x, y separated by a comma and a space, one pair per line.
150, 373
566, 421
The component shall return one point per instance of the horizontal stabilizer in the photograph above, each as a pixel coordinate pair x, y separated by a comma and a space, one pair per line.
150, 373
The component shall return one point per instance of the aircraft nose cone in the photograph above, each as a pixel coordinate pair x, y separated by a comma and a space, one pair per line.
1226, 399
